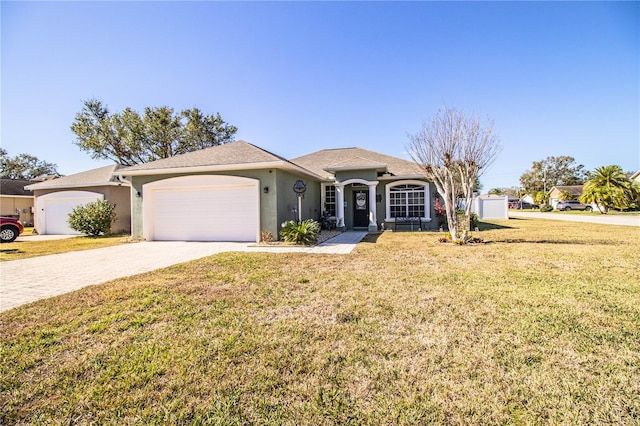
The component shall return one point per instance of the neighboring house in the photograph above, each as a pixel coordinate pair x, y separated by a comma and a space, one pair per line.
15, 201
556, 191
236, 191
635, 176
56, 198
528, 198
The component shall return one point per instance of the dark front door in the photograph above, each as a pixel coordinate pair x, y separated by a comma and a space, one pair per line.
360, 209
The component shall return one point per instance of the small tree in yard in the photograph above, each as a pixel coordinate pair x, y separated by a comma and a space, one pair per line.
93, 218
541, 198
454, 150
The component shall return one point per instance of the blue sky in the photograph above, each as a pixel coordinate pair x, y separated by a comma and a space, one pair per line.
296, 77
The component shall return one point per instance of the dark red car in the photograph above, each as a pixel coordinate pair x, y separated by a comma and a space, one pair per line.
10, 228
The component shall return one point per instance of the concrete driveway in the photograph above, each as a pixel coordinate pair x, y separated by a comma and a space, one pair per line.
28, 280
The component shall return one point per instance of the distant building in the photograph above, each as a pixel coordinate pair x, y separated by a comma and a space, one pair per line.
56, 198
556, 191
15, 201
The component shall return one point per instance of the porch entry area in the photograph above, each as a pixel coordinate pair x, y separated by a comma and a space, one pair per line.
363, 204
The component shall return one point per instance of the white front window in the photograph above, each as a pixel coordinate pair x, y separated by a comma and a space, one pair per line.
408, 199
330, 200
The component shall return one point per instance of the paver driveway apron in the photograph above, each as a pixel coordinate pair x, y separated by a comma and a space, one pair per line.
28, 280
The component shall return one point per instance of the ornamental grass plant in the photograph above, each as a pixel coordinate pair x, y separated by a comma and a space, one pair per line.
305, 232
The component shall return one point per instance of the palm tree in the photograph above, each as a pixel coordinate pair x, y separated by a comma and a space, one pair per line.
608, 187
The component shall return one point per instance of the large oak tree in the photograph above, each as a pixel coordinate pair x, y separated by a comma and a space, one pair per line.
550, 172
130, 138
24, 166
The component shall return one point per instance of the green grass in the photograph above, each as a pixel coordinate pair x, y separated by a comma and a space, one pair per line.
25, 249
540, 325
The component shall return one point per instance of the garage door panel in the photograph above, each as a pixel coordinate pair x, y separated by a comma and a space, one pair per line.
212, 212
54, 210
57, 213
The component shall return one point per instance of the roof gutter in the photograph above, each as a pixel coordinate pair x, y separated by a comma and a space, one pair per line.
402, 177
220, 168
37, 186
377, 167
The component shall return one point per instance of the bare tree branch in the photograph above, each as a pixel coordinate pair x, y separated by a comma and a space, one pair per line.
454, 150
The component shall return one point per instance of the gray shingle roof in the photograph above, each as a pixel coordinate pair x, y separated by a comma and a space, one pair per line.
15, 187
344, 158
238, 152
95, 177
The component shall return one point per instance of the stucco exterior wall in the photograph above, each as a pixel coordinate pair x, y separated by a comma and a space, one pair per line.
20, 207
287, 200
275, 204
280, 202
368, 175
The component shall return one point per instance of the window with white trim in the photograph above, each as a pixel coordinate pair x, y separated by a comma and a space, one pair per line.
407, 200
330, 200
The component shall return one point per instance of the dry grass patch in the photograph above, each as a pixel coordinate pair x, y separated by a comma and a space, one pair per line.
540, 325
25, 249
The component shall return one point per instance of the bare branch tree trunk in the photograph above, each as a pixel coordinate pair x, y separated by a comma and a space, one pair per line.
454, 150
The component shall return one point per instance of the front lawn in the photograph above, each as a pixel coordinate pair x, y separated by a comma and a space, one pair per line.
540, 325
25, 249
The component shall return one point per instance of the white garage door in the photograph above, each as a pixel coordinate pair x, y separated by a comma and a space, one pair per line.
53, 210
202, 208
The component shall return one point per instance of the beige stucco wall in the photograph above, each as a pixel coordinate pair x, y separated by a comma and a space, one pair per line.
17, 205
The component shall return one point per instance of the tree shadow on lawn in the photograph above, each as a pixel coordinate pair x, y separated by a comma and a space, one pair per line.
12, 250
560, 242
486, 226
371, 237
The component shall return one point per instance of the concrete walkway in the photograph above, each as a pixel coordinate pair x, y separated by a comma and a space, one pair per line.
603, 219
28, 280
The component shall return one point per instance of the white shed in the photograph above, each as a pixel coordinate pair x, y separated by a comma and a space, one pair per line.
491, 207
